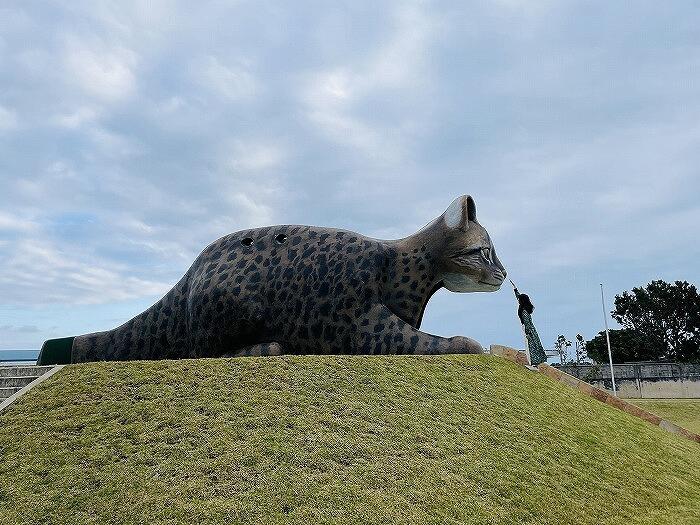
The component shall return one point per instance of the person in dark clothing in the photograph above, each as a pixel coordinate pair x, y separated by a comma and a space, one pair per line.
534, 345
524, 304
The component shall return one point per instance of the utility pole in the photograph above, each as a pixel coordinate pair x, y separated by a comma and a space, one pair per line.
607, 337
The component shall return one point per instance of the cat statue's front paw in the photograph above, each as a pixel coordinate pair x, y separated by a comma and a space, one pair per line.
465, 345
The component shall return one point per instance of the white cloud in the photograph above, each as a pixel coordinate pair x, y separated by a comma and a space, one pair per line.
152, 129
256, 213
101, 70
342, 127
55, 180
335, 97
77, 118
247, 155
404, 60
233, 82
12, 223
35, 271
137, 226
171, 105
113, 145
8, 119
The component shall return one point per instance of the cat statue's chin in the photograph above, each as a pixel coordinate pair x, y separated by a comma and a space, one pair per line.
460, 283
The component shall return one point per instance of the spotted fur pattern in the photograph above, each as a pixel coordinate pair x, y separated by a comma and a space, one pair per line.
305, 290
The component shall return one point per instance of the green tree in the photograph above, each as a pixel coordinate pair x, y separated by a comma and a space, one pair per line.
666, 313
627, 345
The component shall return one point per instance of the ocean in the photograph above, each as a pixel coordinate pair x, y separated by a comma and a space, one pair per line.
18, 356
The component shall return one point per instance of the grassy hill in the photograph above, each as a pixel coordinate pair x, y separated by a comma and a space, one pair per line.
683, 412
445, 439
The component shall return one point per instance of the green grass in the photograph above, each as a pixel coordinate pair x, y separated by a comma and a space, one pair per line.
407, 440
683, 412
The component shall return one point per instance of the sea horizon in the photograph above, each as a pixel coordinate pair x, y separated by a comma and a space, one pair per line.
14, 355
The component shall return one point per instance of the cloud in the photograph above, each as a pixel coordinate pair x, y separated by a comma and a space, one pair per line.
8, 119
133, 135
24, 329
77, 118
258, 214
41, 273
112, 144
336, 98
251, 156
99, 70
233, 82
15, 224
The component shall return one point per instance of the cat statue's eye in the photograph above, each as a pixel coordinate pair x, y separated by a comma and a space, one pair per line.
486, 252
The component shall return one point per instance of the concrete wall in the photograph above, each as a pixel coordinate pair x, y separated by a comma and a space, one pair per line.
642, 380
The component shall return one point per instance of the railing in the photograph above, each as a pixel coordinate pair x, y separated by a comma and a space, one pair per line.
639, 371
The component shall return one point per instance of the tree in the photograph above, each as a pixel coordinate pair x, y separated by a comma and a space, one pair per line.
580, 349
627, 345
666, 313
562, 345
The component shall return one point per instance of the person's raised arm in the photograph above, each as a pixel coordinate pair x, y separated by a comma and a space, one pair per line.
515, 289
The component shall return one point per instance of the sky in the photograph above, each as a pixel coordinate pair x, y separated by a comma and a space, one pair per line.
132, 134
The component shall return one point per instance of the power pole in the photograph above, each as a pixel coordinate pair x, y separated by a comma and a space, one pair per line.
607, 337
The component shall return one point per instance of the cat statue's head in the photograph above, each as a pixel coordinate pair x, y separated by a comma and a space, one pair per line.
466, 257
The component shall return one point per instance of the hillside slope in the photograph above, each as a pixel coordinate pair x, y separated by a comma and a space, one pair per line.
334, 439
683, 412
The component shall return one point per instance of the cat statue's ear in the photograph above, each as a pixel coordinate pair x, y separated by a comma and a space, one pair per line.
460, 212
